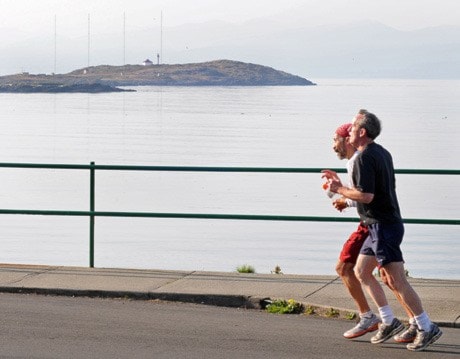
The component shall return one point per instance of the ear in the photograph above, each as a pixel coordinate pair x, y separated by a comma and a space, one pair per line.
362, 132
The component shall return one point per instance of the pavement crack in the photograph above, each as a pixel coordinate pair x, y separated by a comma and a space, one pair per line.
322, 287
186, 275
32, 274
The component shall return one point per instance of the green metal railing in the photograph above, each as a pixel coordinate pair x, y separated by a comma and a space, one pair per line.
92, 213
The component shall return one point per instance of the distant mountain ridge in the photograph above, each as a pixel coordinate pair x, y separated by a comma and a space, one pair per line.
364, 49
105, 78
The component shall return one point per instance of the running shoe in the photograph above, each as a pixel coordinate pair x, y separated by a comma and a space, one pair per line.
387, 331
364, 326
424, 338
407, 336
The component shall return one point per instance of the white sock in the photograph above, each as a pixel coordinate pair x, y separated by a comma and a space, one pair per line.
386, 314
423, 322
412, 321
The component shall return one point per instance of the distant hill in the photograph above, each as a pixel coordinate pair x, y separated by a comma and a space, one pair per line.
105, 78
213, 73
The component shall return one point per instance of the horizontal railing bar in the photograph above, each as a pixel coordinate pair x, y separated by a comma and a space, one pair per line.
212, 169
215, 169
215, 216
167, 168
426, 171
46, 166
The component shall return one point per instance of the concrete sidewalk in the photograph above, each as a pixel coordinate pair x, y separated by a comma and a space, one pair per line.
441, 298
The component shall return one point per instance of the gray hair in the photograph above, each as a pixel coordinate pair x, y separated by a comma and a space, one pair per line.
370, 123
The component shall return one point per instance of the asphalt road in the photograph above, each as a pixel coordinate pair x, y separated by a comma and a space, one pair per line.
33, 326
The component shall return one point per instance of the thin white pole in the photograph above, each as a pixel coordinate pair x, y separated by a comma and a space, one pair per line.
161, 37
55, 42
124, 38
89, 36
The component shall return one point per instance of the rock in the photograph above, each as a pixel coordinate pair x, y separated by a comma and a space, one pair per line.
58, 88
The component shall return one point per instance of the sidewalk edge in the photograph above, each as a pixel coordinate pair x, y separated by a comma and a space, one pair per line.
231, 301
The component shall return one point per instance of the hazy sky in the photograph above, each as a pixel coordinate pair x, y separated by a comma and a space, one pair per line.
27, 30
23, 17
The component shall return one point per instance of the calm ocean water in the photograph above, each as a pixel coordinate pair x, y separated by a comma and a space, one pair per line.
253, 126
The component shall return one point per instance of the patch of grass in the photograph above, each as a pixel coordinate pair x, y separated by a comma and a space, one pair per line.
310, 310
350, 315
282, 306
332, 313
245, 269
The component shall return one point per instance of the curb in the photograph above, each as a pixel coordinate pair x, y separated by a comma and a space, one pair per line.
230, 301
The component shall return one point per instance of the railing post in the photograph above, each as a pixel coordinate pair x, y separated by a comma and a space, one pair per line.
92, 189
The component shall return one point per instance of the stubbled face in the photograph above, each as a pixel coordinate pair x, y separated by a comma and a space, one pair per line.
340, 146
355, 131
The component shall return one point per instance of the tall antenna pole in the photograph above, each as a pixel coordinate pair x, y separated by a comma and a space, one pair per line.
161, 37
55, 42
124, 38
89, 32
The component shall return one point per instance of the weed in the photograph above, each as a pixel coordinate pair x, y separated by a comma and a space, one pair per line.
350, 315
332, 313
245, 269
282, 306
310, 310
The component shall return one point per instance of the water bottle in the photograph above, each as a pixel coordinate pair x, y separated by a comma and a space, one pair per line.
329, 193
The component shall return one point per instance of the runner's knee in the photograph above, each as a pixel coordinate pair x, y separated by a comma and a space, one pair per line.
344, 269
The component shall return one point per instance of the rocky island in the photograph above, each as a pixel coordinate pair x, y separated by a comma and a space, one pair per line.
105, 78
